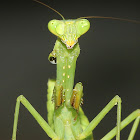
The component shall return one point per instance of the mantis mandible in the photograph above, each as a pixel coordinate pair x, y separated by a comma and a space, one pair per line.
66, 119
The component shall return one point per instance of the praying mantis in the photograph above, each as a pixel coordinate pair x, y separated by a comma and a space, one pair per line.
66, 119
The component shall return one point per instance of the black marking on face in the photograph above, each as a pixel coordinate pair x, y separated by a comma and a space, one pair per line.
52, 60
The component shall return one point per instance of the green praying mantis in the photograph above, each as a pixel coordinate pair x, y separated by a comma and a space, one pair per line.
66, 119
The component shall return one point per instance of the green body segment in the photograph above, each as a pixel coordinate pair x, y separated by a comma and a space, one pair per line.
50, 105
66, 63
68, 122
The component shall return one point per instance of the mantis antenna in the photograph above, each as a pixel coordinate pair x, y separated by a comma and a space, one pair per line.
114, 18
50, 8
99, 17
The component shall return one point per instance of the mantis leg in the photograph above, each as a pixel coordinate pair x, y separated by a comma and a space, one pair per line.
134, 128
124, 123
35, 114
116, 100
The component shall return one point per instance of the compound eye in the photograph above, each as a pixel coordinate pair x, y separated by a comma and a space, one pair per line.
56, 27
83, 26
60, 28
52, 26
52, 23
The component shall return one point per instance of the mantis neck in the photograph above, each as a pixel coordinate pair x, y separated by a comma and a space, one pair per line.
66, 64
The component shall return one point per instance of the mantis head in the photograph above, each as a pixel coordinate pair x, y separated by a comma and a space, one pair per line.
69, 30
